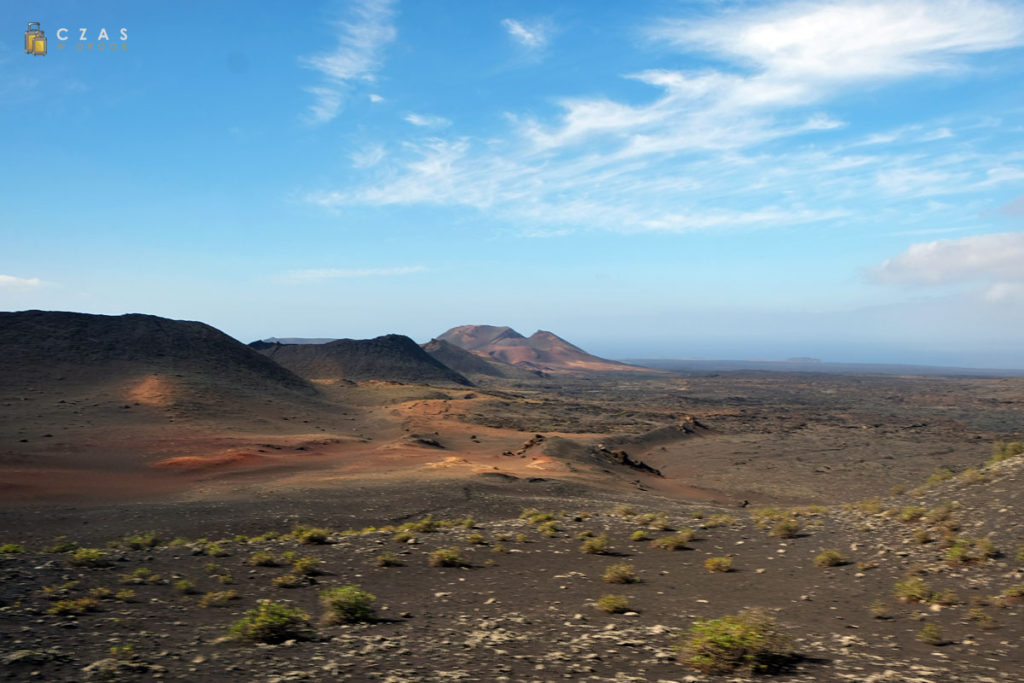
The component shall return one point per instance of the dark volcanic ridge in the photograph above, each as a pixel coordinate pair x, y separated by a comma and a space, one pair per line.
540, 351
392, 357
43, 346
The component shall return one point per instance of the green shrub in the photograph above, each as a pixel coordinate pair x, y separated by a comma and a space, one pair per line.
77, 606
938, 476
262, 559
140, 576
718, 564
11, 549
750, 640
786, 528
125, 595
402, 537
946, 598
719, 520
61, 544
307, 566
388, 559
89, 557
911, 513
185, 586
623, 511
880, 609
596, 545
622, 572
913, 589
676, 541
142, 541
613, 604
931, 634
217, 598
829, 558
289, 580
426, 525
476, 539
639, 535
347, 604
1004, 451
272, 622
310, 535
447, 557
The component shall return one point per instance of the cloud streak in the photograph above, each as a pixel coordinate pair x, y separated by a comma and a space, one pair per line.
703, 151
15, 282
361, 38
533, 36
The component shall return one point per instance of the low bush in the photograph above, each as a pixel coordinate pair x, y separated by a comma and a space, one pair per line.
718, 564
750, 640
11, 549
596, 545
307, 566
89, 557
786, 528
613, 604
217, 598
388, 559
272, 622
310, 535
931, 634
447, 557
347, 604
913, 589
829, 558
620, 573
262, 559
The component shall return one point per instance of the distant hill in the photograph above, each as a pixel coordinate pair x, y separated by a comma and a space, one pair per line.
544, 351
38, 346
470, 364
392, 357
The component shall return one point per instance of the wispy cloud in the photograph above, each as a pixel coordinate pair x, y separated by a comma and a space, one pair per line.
995, 261
699, 152
15, 282
362, 37
533, 35
319, 274
427, 121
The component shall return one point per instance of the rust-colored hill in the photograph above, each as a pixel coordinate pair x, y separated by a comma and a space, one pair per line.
544, 351
472, 365
392, 357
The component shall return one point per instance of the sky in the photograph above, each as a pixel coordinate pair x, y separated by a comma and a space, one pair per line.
734, 180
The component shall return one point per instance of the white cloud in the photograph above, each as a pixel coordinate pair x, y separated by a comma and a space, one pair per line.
368, 156
697, 153
427, 121
815, 47
318, 274
997, 258
361, 40
532, 35
14, 282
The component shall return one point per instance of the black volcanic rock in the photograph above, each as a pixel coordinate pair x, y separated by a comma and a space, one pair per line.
40, 345
392, 357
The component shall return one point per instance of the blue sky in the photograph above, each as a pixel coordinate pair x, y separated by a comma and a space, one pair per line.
839, 180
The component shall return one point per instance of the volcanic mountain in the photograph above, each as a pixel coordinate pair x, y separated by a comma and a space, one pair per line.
42, 348
392, 357
540, 351
472, 365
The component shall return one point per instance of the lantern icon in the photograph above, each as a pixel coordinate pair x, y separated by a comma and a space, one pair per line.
35, 40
